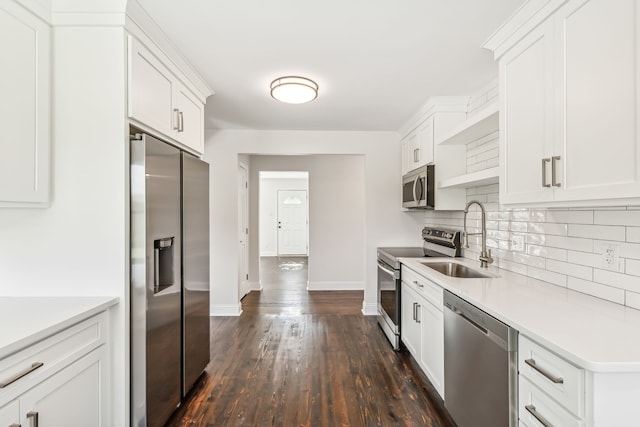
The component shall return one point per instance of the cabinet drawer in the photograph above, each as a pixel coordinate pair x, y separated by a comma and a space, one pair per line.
558, 378
425, 287
23, 369
532, 403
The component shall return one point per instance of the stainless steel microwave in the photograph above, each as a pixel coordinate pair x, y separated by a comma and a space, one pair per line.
418, 188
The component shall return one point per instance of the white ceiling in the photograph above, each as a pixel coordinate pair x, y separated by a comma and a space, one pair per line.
376, 61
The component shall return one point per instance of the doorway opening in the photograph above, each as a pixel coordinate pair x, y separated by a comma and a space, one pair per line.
284, 229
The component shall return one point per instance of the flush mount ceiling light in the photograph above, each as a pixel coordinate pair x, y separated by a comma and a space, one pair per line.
294, 89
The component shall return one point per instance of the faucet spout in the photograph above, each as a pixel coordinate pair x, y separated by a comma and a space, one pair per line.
485, 255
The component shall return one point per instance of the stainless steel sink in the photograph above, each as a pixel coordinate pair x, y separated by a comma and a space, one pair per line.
453, 269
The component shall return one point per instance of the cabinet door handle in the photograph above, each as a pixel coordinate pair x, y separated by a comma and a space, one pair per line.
416, 155
420, 285
15, 425
19, 375
532, 410
180, 122
544, 172
413, 316
33, 418
544, 372
554, 182
417, 312
176, 119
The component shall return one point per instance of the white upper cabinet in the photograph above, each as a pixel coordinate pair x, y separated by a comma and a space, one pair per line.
191, 119
597, 88
25, 110
569, 105
421, 144
417, 148
525, 123
160, 101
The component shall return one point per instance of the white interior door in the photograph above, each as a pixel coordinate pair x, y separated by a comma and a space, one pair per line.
292, 222
243, 231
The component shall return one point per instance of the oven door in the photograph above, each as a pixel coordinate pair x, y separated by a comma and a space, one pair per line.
389, 302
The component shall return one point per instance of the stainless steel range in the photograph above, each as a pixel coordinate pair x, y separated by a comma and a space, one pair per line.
437, 243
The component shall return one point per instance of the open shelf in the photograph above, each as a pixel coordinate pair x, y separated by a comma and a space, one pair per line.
475, 179
480, 124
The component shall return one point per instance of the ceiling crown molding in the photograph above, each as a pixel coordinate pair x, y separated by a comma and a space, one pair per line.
142, 26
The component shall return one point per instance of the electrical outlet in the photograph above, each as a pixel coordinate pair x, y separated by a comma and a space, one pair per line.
610, 257
517, 243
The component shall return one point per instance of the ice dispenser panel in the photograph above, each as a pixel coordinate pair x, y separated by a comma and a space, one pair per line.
163, 276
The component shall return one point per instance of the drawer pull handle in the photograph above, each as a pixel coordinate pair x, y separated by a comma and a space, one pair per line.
420, 285
33, 418
532, 410
19, 375
15, 425
544, 372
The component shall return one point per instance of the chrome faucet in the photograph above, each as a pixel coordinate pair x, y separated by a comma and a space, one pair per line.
485, 255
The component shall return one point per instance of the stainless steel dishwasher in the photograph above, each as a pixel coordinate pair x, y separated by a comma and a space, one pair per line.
480, 366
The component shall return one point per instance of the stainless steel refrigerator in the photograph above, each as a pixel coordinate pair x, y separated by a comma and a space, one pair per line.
169, 277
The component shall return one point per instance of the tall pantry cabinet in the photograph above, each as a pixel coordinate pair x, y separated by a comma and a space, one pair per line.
569, 103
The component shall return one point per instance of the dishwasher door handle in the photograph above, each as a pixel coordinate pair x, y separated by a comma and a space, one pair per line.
474, 324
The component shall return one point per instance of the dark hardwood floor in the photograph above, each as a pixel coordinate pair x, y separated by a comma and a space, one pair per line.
298, 358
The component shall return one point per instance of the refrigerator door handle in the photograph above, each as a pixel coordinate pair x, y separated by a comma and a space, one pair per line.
156, 270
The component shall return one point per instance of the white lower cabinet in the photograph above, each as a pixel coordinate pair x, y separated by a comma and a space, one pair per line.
422, 328
554, 392
72, 397
537, 409
551, 391
61, 381
410, 329
10, 414
432, 349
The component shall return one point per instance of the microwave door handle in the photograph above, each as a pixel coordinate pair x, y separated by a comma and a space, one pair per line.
415, 183
422, 195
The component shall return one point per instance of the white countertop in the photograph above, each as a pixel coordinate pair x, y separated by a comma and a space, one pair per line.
595, 334
27, 320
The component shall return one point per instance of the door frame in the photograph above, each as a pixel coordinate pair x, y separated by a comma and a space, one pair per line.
243, 223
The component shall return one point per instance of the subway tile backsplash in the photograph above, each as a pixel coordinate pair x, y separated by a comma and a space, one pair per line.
565, 247
595, 251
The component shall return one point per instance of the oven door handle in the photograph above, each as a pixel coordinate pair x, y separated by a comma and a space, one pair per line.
384, 268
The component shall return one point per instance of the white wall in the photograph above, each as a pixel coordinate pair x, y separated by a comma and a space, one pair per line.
268, 209
384, 222
79, 246
336, 212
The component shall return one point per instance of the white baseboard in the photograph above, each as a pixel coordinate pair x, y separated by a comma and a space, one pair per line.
255, 286
335, 286
369, 309
225, 310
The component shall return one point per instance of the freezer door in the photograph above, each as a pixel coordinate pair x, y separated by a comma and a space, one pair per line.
156, 282
195, 258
